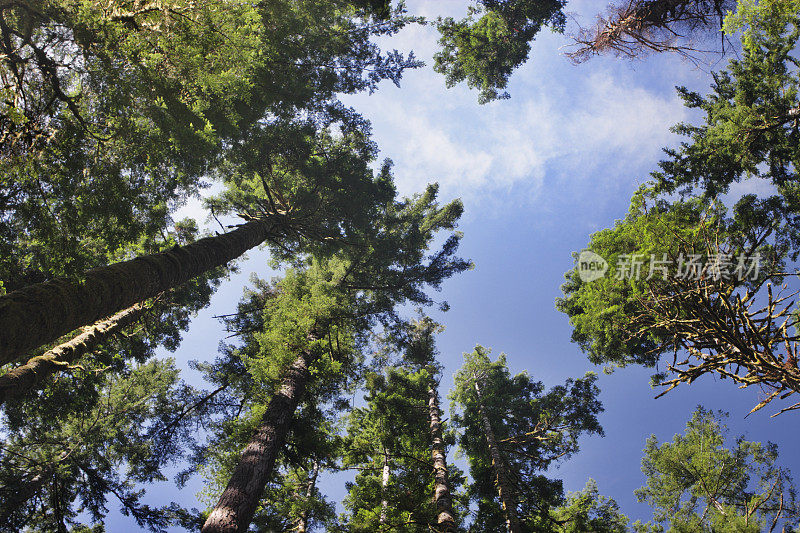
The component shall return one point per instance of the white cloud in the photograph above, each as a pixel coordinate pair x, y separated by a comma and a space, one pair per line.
581, 120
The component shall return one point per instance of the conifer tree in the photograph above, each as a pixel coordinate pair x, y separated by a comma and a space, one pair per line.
326, 310
112, 113
421, 353
309, 202
397, 442
485, 47
388, 443
587, 510
80, 445
511, 430
710, 268
700, 481
119, 112
133, 333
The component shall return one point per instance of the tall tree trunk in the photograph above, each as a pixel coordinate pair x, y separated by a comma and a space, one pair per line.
57, 505
20, 380
504, 485
41, 313
302, 524
235, 508
384, 486
441, 496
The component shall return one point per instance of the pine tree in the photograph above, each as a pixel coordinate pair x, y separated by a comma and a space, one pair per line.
421, 353
106, 345
484, 48
388, 442
327, 302
703, 293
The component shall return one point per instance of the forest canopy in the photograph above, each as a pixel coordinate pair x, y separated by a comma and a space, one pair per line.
345, 393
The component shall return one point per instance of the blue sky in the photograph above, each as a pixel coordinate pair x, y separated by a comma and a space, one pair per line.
537, 173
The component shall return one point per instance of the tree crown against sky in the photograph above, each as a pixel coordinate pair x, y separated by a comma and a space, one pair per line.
116, 113
531, 427
701, 481
345, 149
716, 318
89, 446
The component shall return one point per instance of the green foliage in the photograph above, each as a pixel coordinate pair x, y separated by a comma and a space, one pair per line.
749, 132
608, 315
286, 500
151, 98
484, 51
303, 311
85, 443
587, 510
701, 482
749, 129
393, 427
751, 17
534, 429
701, 276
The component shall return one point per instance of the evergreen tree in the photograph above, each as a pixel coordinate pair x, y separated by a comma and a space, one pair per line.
398, 444
511, 429
134, 106
314, 202
484, 48
701, 482
685, 277
77, 446
388, 442
106, 344
587, 510
422, 354
326, 303
748, 130
698, 296
250, 376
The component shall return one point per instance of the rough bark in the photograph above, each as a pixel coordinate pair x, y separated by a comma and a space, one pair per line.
235, 508
384, 485
445, 519
302, 523
504, 486
41, 313
18, 381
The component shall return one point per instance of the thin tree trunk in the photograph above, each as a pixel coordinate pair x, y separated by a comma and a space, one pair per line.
441, 496
302, 525
504, 489
20, 380
43, 312
57, 504
384, 485
235, 508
